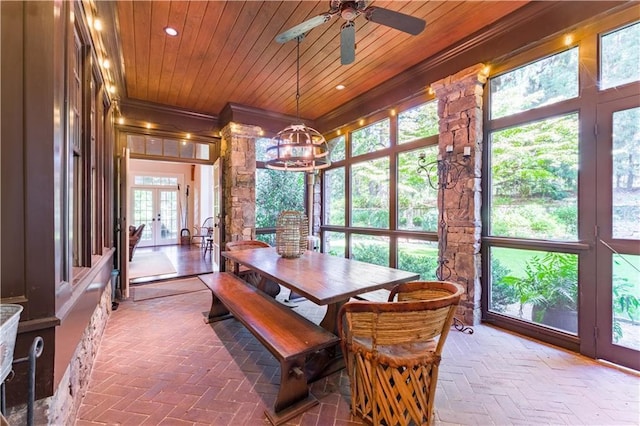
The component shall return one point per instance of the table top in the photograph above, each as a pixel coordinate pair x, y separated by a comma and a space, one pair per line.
320, 277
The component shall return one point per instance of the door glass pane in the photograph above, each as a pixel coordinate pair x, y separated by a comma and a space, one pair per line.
334, 209
276, 191
417, 199
370, 194
626, 300
418, 122
370, 249
626, 174
540, 83
371, 138
334, 243
620, 57
535, 286
418, 256
143, 212
534, 180
169, 215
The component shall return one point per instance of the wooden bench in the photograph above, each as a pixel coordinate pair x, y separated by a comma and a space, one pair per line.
290, 337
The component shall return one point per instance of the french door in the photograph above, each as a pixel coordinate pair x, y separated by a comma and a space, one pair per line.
157, 208
618, 236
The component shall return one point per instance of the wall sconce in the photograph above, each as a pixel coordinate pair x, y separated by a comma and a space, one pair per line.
443, 175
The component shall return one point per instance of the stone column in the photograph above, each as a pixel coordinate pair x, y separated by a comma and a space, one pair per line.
460, 122
238, 152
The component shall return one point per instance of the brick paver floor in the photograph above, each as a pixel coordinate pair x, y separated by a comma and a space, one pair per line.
160, 364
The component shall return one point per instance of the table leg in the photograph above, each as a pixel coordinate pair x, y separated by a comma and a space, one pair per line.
330, 360
330, 320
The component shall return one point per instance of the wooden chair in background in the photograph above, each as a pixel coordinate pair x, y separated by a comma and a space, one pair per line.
134, 238
392, 351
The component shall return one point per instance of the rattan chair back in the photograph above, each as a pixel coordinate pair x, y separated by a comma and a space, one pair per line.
392, 350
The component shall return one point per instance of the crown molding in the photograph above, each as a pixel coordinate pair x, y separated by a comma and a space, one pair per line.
269, 121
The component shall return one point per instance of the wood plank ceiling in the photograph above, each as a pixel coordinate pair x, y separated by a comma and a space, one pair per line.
225, 51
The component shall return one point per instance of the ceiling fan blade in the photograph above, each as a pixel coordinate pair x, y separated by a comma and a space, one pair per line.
300, 29
348, 43
399, 21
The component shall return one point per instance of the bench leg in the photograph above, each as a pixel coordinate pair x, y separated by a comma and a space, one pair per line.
293, 395
218, 311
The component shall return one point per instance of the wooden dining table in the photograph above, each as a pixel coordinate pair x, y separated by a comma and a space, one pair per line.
321, 278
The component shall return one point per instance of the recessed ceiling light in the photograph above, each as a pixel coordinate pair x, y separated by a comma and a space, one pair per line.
340, 86
171, 31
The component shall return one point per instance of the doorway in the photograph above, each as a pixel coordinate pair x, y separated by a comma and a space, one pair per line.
155, 203
618, 236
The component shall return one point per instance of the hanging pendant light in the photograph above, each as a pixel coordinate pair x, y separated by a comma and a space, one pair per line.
298, 148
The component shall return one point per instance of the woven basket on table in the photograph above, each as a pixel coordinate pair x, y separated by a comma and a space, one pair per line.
392, 351
292, 229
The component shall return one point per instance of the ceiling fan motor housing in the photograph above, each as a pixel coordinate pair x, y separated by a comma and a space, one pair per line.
349, 10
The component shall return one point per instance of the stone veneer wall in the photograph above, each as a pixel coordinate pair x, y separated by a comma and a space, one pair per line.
460, 124
238, 152
62, 407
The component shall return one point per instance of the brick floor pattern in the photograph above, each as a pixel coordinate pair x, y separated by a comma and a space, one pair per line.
160, 364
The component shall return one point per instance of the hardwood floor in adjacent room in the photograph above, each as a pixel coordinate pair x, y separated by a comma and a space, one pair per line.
188, 260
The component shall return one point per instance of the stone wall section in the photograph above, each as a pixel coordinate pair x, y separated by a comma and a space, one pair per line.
460, 122
238, 152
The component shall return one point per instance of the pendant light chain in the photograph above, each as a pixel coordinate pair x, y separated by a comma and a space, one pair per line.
298, 77
298, 148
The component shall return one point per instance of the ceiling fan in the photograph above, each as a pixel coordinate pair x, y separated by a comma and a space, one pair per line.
349, 10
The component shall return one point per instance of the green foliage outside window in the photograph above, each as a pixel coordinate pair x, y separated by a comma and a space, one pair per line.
337, 148
371, 138
370, 194
534, 175
620, 57
418, 122
540, 83
277, 191
417, 200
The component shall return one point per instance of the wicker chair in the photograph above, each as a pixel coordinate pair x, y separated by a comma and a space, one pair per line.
271, 288
392, 351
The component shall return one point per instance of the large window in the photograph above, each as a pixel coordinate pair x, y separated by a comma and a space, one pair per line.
377, 206
561, 193
533, 181
82, 237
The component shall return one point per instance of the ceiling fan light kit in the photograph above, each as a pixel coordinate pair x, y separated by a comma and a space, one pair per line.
350, 10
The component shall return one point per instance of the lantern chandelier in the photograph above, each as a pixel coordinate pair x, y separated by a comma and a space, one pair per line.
298, 148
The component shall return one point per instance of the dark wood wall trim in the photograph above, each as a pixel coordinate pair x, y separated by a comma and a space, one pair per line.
170, 119
271, 122
527, 25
